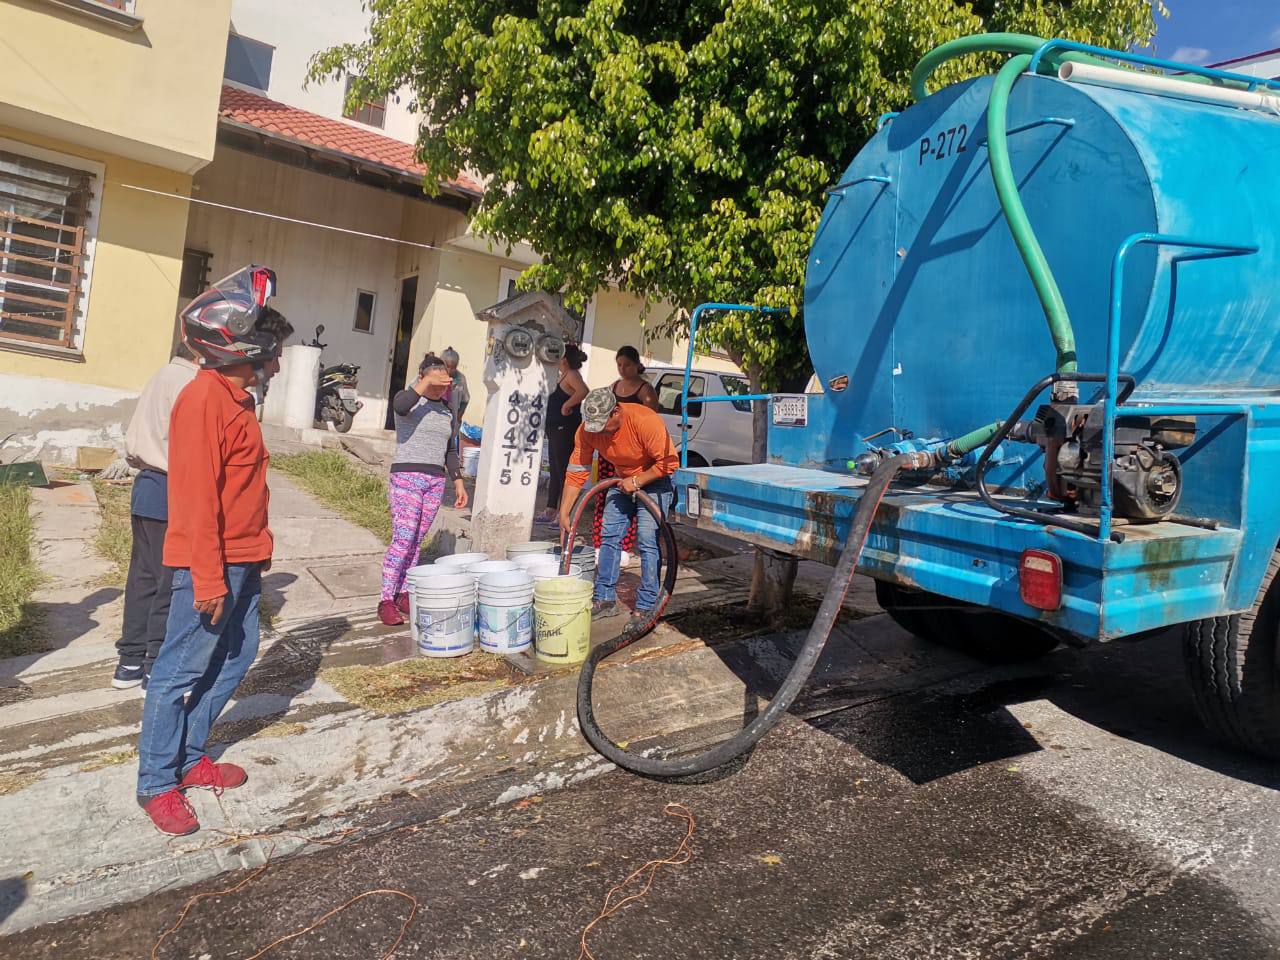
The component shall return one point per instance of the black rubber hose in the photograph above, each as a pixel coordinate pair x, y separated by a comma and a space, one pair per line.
795, 680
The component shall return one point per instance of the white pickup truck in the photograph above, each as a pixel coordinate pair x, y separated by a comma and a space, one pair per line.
719, 433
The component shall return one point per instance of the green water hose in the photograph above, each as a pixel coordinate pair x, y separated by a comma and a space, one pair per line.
1022, 46
973, 439
965, 46
1015, 214
1006, 185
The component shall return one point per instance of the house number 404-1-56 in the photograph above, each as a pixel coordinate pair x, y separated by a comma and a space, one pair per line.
523, 438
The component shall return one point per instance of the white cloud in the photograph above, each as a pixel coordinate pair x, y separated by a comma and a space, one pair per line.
1191, 55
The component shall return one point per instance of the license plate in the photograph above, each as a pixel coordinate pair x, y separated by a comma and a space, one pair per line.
347, 393
790, 411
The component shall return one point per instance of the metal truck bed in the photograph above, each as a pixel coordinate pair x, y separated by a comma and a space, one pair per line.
953, 544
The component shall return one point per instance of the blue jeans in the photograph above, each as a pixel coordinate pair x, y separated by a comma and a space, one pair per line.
619, 508
197, 671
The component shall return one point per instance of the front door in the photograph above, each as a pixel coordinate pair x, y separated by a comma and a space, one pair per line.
400, 349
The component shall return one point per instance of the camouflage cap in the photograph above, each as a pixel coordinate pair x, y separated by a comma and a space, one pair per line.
597, 406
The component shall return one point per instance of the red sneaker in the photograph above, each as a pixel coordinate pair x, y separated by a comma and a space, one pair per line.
388, 613
213, 776
402, 603
171, 813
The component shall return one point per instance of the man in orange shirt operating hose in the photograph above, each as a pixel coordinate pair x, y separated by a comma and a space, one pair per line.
634, 439
218, 544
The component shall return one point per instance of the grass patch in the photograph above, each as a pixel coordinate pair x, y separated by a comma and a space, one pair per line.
329, 476
112, 758
13, 782
279, 730
419, 681
20, 620
726, 622
114, 541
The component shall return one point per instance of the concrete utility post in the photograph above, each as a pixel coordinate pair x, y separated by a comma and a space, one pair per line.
527, 334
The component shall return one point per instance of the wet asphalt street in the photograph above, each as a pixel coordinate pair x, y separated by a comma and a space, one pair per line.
1069, 808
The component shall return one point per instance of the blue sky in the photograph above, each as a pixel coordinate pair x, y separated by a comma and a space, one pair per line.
1207, 31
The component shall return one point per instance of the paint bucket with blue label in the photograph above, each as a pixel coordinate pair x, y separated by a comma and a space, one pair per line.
442, 614
504, 611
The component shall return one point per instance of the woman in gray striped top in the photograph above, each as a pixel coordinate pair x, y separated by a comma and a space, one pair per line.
426, 456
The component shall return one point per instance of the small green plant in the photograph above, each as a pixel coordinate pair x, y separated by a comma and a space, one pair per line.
114, 541
20, 620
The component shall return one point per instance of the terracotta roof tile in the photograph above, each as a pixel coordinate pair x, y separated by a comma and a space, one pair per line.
271, 116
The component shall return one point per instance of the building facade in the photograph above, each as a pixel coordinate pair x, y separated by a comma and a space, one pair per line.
90, 241
176, 159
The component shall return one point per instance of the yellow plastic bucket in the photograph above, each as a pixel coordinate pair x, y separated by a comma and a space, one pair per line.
562, 620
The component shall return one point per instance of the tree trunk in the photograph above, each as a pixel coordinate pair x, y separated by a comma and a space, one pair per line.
774, 576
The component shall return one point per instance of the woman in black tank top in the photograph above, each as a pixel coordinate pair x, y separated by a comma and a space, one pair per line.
630, 387
564, 416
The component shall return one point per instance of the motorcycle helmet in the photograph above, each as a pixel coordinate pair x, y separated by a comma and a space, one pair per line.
223, 326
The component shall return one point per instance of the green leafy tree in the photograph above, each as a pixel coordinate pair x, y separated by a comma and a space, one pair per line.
677, 150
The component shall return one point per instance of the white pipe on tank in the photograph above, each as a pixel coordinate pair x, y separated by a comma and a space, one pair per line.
1169, 87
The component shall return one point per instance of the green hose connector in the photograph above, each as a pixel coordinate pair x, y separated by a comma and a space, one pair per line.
1015, 214
972, 440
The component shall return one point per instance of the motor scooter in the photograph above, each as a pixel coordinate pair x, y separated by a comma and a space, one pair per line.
336, 398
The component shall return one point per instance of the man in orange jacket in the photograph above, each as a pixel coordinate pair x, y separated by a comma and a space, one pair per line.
634, 439
218, 543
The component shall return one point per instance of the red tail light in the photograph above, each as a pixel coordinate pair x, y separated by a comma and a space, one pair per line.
1040, 579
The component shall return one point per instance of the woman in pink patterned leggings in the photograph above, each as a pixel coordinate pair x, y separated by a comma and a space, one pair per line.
426, 457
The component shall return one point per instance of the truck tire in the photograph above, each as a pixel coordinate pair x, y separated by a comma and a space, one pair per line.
1233, 666
899, 603
986, 635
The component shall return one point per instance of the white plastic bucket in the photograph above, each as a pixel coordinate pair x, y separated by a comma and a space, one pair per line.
427, 571
532, 548
442, 614
484, 567
551, 570
462, 561
526, 560
584, 556
504, 610
470, 461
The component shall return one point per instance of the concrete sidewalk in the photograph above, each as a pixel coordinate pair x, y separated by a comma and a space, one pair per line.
72, 839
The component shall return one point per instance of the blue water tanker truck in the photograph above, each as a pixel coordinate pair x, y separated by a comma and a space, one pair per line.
1045, 305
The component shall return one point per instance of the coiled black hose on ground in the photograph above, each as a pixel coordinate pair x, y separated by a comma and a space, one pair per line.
795, 680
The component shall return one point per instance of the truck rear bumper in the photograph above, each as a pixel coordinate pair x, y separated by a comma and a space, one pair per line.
955, 545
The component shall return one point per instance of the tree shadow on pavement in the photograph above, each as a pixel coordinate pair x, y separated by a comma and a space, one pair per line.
1138, 690
947, 724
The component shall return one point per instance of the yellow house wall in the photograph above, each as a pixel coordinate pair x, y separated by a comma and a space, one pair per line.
618, 323
150, 94
453, 286
133, 292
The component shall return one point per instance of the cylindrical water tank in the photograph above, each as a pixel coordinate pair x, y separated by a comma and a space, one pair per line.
296, 382
916, 294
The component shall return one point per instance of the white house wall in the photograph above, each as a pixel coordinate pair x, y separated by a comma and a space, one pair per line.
319, 271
